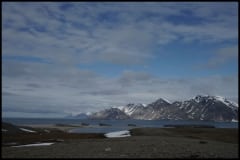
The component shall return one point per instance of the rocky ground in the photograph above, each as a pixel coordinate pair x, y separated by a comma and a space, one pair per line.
144, 143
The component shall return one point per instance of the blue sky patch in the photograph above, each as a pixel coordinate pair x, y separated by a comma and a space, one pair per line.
137, 51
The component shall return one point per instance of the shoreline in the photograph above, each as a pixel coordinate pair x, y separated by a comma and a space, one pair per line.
67, 128
53, 126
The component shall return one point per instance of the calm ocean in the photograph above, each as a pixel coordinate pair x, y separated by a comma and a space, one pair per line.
115, 125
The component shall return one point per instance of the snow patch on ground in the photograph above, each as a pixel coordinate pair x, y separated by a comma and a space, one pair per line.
124, 133
45, 130
4, 130
234, 120
27, 130
37, 144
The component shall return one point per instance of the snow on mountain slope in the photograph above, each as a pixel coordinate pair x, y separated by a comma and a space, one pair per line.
112, 113
131, 108
226, 102
4, 130
211, 108
166, 100
160, 102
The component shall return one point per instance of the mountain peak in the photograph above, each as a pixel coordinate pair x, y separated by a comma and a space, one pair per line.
130, 104
201, 107
200, 98
225, 101
162, 101
220, 98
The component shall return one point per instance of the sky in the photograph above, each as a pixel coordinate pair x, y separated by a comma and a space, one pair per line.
77, 57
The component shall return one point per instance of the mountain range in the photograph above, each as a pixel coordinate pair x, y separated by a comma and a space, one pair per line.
201, 107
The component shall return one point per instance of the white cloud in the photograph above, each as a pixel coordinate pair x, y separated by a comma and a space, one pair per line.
87, 33
69, 93
222, 56
45, 30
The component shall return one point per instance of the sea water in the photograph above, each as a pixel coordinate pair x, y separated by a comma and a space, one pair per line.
114, 125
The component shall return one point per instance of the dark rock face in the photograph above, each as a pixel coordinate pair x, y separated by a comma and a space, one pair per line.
210, 108
135, 111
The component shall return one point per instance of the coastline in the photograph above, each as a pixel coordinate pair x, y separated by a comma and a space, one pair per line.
63, 128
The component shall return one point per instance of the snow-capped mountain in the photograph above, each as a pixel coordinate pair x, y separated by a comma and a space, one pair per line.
213, 108
133, 109
112, 113
210, 108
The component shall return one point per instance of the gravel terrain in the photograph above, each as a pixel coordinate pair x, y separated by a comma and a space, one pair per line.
144, 143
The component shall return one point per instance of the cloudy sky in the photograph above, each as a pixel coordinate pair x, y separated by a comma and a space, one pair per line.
68, 58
